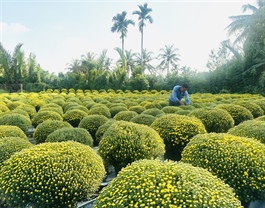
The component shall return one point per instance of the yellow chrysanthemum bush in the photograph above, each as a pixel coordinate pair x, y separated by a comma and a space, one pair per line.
238, 112
153, 112
251, 129
12, 131
152, 183
143, 119
47, 127
116, 109
91, 123
214, 120
3, 108
29, 109
183, 112
237, 160
19, 111
125, 115
74, 116
51, 175
71, 134
125, 142
45, 115
11, 145
15, 119
254, 108
260, 118
170, 109
137, 108
176, 131
100, 109
102, 129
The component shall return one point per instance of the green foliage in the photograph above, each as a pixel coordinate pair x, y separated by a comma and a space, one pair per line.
45, 115
28, 108
116, 109
252, 129
183, 112
15, 119
102, 129
254, 108
125, 142
13, 105
170, 109
238, 161
12, 131
100, 110
74, 134
152, 183
176, 131
21, 112
56, 181
214, 120
74, 116
153, 112
261, 118
125, 115
138, 109
11, 145
4, 108
143, 119
238, 113
47, 127
79, 107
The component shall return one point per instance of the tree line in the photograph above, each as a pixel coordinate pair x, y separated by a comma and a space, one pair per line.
237, 66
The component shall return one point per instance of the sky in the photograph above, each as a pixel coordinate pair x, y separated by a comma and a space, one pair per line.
58, 32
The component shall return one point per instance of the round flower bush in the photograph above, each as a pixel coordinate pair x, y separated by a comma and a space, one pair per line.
74, 117
102, 129
91, 123
254, 108
183, 112
238, 112
261, 103
11, 145
79, 107
29, 109
125, 115
45, 115
214, 120
152, 183
100, 109
261, 118
116, 109
13, 105
138, 109
4, 108
251, 129
176, 131
238, 161
15, 119
51, 175
21, 112
47, 127
125, 142
153, 112
143, 119
170, 109
12, 131
74, 134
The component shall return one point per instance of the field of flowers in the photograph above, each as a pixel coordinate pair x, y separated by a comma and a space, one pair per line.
208, 154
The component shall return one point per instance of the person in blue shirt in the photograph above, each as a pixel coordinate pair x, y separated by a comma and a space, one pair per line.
177, 94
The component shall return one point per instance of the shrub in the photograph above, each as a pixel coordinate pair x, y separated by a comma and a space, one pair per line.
150, 105
79, 107
183, 112
52, 109
15, 119
153, 112
238, 113
74, 134
214, 120
148, 183
11, 145
176, 131
252, 129
12, 131
45, 115
51, 175
91, 123
116, 109
47, 127
238, 161
138, 109
261, 118
74, 117
29, 109
143, 119
4, 108
170, 109
125, 142
260, 103
102, 129
13, 105
100, 110
125, 115
21, 112
252, 107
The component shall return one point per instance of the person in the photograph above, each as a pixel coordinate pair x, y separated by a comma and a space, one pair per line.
177, 94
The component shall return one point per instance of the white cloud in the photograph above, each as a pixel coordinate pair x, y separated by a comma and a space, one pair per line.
13, 28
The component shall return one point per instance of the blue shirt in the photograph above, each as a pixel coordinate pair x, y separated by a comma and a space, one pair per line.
178, 95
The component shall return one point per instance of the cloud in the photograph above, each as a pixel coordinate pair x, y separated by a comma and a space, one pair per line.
13, 28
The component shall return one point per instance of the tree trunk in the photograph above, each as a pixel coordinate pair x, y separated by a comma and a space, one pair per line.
122, 45
142, 48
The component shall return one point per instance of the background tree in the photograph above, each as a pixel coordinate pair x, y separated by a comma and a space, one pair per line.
120, 25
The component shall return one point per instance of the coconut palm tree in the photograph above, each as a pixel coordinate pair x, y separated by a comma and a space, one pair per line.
120, 25
145, 58
143, 16
168, 57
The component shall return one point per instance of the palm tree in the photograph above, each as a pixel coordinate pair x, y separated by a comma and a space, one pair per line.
243, 23
120, 25
144, 59
168, 57
143, 16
